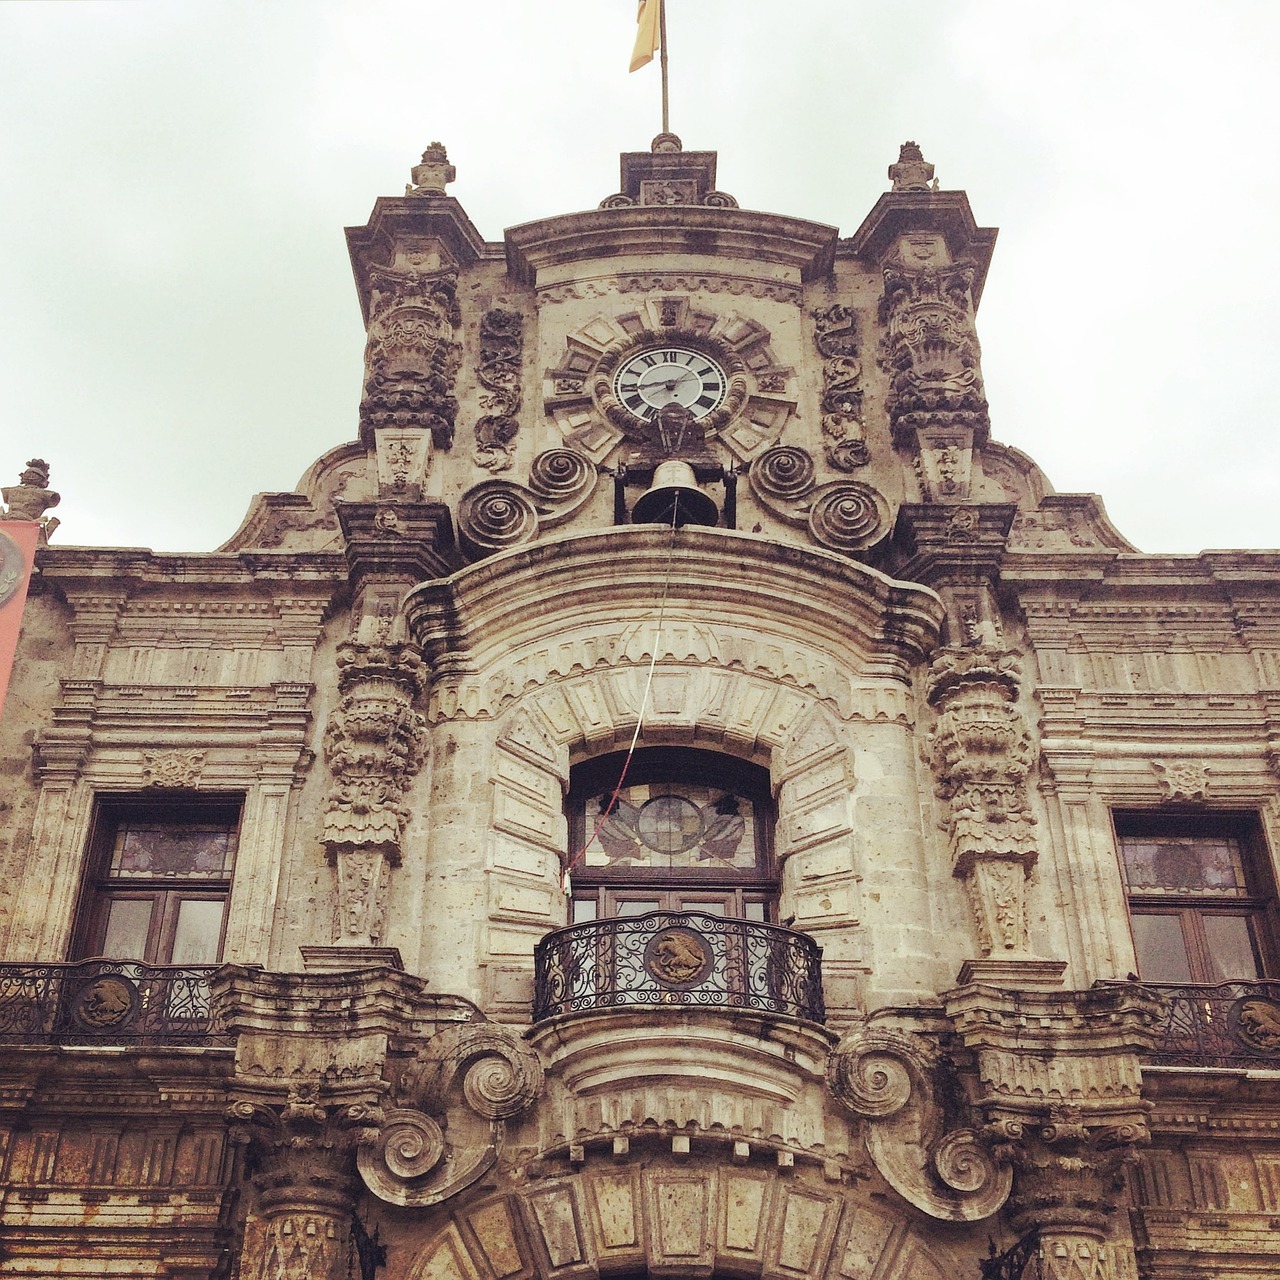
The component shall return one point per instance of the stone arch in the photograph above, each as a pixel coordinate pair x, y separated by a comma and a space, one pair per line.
670, 1219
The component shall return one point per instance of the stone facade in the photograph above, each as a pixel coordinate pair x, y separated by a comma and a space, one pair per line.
316, 960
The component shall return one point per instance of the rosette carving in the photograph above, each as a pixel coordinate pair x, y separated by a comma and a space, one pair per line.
497, 514
922, 1149
464, 1085
561, 475
786, 472
845, 516
849, 516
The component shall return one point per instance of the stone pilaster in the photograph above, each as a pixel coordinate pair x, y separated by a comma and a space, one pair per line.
1060, 1094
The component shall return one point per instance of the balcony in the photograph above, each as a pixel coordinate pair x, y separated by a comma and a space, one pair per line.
682, 959
108, 1002
1233, 1025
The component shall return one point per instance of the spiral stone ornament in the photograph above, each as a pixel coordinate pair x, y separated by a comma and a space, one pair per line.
783, 472
494, 515
963, 1163
560, 475
499, 1087
411, 1144
849, 517
870, 1077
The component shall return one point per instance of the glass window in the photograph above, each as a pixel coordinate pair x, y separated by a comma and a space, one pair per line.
159, 878
680, 830
1200, 895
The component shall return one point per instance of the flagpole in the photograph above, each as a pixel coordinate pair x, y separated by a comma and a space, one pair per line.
662, 54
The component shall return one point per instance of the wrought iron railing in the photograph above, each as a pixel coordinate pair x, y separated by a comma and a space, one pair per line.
107, 1002
679, 958
1232, 1024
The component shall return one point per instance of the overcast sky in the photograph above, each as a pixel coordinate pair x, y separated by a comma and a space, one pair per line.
179, 329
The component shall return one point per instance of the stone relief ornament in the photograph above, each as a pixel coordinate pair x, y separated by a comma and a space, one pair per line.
434, 173
835, 335
412, 355
912, 172
930, 350
31, 497
501, 347
895, 1083
1182, 781
172, 768
375, 743
981, 753
844, 515
449, 1130
496, 514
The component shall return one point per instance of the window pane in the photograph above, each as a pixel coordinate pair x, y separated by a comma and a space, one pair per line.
1231, 951
636, 906
1162, 953
199, 932
584, 909
152, 849
1183, 864
128, 924
754, 910
672, 826
710, 906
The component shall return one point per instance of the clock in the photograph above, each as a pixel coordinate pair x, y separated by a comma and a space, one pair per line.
658, 376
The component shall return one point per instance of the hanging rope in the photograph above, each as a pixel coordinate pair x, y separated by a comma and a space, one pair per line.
644, 700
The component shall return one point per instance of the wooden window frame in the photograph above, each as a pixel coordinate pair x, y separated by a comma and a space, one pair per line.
100, 888
1256, 904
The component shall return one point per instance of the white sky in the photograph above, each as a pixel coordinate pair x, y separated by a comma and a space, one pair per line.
178, 326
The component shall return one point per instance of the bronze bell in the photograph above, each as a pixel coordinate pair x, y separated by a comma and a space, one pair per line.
675, 498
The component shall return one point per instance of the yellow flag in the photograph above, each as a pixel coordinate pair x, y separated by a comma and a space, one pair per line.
647, 39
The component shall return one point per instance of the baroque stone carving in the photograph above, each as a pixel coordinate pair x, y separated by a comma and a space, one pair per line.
497, 514
981, 754
501, 344
1182, 781
412, 356
302, 1149
172, 768
931, 352
374, 744
835, 335
433, 174
31, 497
894, 1083
845, 515
449, 1131
1060, 1092
912, 172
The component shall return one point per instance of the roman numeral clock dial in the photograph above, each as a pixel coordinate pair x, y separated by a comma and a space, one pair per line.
650, 380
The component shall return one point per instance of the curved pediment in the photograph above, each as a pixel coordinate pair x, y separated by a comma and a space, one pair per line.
713, 587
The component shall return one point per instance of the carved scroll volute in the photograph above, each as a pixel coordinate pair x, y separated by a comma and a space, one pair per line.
981, 753
943, 1168
458, 1094
375, 743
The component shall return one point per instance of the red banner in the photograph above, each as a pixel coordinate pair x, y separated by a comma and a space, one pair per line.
17, 554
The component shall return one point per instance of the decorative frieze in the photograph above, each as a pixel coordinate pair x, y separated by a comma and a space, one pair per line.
981, 753
499, 372
836, 337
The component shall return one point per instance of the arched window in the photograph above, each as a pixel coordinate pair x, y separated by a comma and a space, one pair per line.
689, 830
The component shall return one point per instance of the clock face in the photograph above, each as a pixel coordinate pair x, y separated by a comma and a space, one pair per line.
650, 380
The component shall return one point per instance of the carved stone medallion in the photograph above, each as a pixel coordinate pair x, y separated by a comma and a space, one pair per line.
678, 958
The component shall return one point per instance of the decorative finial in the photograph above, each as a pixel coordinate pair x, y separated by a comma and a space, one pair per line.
433, 174
666, 142
912, 172
31, 497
